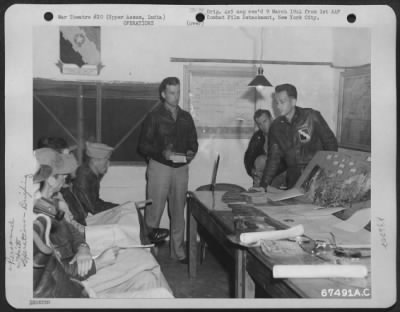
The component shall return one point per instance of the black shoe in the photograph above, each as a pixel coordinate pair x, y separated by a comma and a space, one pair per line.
184, 260
158, 235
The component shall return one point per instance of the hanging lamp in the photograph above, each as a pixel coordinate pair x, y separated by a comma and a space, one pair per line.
260, 81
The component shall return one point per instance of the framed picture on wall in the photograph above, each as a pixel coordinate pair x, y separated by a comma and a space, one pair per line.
354, 116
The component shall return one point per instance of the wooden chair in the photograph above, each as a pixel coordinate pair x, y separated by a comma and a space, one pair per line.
221, 187
215, 187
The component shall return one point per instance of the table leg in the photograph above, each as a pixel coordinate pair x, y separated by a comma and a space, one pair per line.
249, 286
240, 268
192, 238
244, 285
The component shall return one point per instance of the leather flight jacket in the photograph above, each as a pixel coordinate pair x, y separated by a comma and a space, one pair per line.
86, 187
74, 205
53, 275
160, 130
296, 143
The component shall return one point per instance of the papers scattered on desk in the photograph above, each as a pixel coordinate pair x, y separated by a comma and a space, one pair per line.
280, 248
178, 158
253, 194
291, 193
258, 197
318, 211
319, 271
257, 200
253, 237
356, 222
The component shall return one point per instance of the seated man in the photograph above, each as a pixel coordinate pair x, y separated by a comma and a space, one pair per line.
77, 214
86, 188
126, 272
72, 253
88, 176
122, 221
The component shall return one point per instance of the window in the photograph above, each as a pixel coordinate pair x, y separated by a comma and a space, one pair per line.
111, 113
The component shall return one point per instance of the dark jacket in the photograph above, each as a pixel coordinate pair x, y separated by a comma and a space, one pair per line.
255, 149
74, 205
160, 130
86, 187
296, 142
52, 274
66, 240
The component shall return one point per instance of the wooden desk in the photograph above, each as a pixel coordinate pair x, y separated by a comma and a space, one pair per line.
201, 209
252, 264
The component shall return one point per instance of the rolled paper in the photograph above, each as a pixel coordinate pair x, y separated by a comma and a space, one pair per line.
319, 271
253, 237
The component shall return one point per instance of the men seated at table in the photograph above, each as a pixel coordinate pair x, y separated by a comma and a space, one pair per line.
82, 195
107, 271
121, 222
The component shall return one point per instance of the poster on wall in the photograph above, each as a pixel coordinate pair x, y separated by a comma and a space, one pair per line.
332, 252
80, 50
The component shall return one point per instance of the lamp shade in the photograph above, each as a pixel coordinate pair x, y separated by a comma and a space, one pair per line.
260, 80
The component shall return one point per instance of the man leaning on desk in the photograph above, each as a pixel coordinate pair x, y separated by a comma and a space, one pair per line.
295, 137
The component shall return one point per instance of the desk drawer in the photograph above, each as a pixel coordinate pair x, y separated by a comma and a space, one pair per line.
262, 276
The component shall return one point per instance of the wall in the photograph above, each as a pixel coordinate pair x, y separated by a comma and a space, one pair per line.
130, 54
351, 47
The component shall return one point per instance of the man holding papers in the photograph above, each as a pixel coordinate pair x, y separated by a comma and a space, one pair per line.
169, 142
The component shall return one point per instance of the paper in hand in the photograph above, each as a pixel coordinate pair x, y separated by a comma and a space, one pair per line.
178, 158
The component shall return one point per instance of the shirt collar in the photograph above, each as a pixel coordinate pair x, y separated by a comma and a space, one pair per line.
295, 115
168, 112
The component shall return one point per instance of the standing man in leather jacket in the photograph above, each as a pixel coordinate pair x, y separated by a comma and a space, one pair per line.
295, 137
169, 142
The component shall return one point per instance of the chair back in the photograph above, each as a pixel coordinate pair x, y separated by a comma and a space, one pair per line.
144, 231
221, 187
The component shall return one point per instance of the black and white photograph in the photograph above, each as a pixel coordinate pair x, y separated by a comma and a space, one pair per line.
156, 154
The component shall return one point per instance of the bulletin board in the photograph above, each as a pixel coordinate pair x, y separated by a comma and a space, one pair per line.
354, 118
219, 100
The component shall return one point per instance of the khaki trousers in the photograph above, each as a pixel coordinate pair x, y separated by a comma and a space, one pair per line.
164, 184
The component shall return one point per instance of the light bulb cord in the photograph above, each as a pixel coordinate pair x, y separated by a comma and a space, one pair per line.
262, 44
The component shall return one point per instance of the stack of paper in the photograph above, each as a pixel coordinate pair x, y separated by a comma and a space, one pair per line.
320, 271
